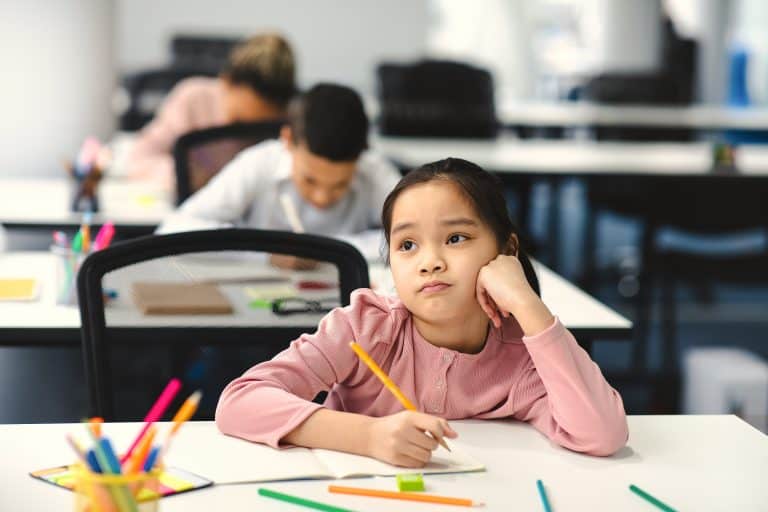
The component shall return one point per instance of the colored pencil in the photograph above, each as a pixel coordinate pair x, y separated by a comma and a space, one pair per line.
408, 496
154, 414
108, 463
543, 496
140, 454
186, 411
95, 424
650, 499
391, 386
300, 501
77, 449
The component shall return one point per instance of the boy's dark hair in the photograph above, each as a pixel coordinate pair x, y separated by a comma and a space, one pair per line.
331, 121
265, 63
484, 192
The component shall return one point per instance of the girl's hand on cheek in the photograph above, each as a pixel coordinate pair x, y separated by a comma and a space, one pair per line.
502, 289
401, 439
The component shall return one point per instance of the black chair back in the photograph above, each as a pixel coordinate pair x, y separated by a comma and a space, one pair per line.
99, 339
201, 154
436, 99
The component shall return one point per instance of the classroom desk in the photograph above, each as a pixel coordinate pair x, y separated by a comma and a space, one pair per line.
701, 463
566, 114
44, 322
555, 160
135, 207
546, 158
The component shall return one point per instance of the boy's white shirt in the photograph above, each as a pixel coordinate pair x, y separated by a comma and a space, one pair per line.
246, 192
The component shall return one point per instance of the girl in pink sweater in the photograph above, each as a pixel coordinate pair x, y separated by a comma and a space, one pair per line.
467, 337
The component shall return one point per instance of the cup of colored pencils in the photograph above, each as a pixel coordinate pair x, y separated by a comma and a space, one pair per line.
107, 492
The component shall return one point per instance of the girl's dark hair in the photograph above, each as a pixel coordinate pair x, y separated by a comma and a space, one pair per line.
484, 191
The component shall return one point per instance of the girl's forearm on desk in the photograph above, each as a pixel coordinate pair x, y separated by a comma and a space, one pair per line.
333, 430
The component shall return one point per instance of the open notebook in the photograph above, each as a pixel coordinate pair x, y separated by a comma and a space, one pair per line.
228, 460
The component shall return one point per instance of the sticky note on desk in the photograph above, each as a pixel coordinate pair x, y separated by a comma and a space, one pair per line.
21, 289
410, 482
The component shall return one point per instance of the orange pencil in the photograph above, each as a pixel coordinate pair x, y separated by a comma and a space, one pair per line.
384, 378
136, 462
185, 412
408, 496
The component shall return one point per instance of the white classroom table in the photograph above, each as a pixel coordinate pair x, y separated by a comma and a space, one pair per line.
561, 157
43, 321
693, 463
512, 112
702, 117
45, 203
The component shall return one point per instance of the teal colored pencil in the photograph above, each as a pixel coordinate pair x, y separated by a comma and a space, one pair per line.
650, 499
543, 496
300, 501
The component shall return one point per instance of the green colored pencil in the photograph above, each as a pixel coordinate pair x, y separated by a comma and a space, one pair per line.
650, 499
301, 501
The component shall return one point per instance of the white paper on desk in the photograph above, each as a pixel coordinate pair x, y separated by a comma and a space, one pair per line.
228, 460
346, 465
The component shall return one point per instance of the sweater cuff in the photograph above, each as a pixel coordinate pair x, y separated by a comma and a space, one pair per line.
551, 334
290, 425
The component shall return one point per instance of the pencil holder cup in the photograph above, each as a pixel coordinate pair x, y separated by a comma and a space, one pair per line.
96, 492
67, 265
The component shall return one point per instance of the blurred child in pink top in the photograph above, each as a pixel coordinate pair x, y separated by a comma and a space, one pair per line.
467, 337
255, 85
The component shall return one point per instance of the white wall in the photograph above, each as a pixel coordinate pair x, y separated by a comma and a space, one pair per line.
56, 83
624, 35
339, 40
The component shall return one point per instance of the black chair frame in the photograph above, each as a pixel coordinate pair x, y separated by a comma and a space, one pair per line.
352, 268
257, 131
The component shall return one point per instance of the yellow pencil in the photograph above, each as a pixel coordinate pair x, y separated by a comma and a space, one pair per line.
384, 378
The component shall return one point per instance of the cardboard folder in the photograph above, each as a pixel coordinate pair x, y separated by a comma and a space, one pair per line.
155, 298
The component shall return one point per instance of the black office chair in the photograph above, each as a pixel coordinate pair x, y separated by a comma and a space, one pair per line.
102, 343
436, 99
200, 154
672, 84
146, 90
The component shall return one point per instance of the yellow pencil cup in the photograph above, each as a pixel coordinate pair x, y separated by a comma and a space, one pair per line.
96, 492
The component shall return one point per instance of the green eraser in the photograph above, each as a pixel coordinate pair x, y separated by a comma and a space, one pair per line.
410, 482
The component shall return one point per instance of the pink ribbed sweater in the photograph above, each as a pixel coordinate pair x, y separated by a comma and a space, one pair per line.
546, 380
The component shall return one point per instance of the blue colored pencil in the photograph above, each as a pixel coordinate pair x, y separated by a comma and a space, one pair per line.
543, 496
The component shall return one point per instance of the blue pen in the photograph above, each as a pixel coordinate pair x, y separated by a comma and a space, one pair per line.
151, 458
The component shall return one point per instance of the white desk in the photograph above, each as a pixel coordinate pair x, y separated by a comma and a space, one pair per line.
586, 114
509, 155
43, 321
511, 112
701, 463
39, 202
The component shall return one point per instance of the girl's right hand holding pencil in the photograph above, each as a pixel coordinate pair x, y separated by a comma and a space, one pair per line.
402, 439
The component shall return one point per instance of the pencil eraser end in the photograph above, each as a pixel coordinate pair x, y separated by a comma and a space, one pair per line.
410, 482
